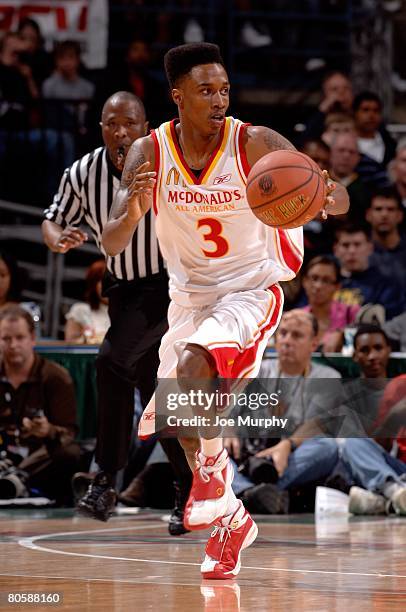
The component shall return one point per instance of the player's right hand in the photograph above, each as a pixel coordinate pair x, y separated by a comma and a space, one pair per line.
70, 238
139, 198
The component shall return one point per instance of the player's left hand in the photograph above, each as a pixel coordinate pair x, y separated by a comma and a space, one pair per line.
337, 201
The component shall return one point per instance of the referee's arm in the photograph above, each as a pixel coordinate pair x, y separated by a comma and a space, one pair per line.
133, 199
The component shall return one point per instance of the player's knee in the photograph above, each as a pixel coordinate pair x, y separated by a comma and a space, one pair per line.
195, 363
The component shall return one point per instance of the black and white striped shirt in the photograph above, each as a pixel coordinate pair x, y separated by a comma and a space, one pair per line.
86, 193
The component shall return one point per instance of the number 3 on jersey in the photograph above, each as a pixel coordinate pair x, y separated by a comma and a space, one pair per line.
214, 235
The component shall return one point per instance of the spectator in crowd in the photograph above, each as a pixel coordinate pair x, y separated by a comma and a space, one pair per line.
12, 282
17, 86
301, 457
37, 410
66, 83
362, 283
34, 54
321, 281
318, 150
344, 159
398, 170
337, 95
87, 322
337, 123
385, 215
134, 74
396, 330
374, 471
374, 141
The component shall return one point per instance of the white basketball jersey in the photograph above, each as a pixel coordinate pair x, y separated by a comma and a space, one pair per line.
212, 242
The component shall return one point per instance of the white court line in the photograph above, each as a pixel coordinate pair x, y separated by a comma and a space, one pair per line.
30, 543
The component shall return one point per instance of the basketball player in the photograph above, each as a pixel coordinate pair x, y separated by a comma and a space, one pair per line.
225, 296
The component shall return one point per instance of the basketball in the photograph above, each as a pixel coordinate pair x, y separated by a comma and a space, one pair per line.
286, 189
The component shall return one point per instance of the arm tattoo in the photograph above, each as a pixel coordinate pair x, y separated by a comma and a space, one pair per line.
276, 142
134, 160
132, 163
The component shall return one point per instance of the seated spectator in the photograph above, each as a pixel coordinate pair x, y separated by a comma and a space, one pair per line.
318, 150
362, 283
374, 141
385, 215
344, 158
374, 471
396, 330
37, 412
337, 95
34, 54
321, 281
335, 124
17, 87
66, 83
300, 457
12, 282
398, 171
87, 322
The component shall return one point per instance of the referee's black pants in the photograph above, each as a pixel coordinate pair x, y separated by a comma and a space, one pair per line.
128, 358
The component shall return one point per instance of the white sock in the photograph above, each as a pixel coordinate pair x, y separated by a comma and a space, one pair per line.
211, 448
233, 503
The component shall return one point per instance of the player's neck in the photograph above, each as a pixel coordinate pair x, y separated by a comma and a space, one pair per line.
196, 147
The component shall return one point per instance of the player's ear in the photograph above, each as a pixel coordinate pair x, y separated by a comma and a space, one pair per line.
146, 127
177, 97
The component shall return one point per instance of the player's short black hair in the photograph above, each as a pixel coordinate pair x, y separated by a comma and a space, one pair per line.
180, 60
370, 328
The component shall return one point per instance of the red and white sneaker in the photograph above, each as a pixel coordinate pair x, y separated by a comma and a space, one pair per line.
223, 550
208, 498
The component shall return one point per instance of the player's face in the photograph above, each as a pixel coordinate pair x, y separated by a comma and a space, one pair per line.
384, 214
122, 123
372, 354
320, 283
203, 97
16, 340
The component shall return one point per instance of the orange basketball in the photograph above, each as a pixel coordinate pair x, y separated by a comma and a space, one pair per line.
286, 189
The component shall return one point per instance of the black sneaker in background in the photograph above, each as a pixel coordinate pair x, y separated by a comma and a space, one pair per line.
100, 499
176, 526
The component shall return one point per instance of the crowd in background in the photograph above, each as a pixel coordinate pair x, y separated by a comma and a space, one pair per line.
353, 275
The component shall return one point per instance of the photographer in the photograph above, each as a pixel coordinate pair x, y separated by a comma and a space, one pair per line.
37, 415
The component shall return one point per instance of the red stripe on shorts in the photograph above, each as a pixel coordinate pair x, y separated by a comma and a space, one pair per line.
230, 361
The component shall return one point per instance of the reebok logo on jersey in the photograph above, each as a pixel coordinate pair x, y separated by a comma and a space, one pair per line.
223, 178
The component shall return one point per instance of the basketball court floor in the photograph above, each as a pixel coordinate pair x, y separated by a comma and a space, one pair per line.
131, 563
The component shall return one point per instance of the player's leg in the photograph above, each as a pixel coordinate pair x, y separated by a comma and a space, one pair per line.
211, 495
235, 334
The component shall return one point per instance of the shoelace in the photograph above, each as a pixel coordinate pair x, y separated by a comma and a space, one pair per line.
224, 534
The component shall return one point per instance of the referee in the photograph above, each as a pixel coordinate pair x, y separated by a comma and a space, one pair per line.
137, 287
